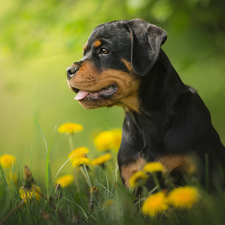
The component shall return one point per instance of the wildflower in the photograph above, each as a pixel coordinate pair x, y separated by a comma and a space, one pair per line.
102, 159
117, 133
79, 152
154, 167
70, 128
154, 204
93, 196
80, 161
183, 197
65, 180
94, 190
7, 160
33, 192
108, 140
29, 180
28, 174
137, 178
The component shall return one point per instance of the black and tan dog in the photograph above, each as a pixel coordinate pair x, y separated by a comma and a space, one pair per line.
166, 121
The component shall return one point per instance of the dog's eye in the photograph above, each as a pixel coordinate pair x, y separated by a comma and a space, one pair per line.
104, 51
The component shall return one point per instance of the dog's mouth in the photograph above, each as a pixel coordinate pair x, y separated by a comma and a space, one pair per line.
105, 92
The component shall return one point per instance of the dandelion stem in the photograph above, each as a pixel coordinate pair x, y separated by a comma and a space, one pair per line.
156, 181
76, 179
71, 141
86, 176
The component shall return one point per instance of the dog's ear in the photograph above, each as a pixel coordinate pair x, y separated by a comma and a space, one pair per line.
146, 41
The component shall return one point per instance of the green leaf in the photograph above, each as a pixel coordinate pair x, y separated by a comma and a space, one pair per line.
4, 196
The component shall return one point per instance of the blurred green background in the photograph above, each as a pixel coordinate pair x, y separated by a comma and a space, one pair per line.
40, 39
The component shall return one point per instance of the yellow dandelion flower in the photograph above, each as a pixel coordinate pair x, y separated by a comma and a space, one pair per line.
108, 140
79, 161
33, 192
137, 178
78, 152
94, 190
7, 160
65, 180
183, 197
154, 167
70, 128
154, 204
117, 133
101, 159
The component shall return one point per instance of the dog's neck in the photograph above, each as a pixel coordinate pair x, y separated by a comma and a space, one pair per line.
161, 84
158, 92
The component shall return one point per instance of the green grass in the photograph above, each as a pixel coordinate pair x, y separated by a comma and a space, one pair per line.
79, 203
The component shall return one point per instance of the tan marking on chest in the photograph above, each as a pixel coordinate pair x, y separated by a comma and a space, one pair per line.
181, 164
128, 171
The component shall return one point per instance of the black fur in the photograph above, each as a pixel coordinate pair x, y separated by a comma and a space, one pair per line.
173, 120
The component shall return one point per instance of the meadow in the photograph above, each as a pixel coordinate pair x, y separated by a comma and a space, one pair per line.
38, 41
92, 193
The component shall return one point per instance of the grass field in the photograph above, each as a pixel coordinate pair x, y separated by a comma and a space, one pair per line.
92, 192
38, 41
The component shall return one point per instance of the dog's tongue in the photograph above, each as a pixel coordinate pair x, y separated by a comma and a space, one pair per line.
81, 95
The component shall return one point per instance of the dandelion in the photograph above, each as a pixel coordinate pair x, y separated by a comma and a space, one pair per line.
80, 161
139, 177
102, 159
183, 197
70, 128
154, 204
65, 180
78, 152
93, 196
94, 190
154, 167
108, 140
33, 192
28, 174
117, 133
7, 160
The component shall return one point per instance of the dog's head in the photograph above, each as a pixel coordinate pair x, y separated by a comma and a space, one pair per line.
116, 57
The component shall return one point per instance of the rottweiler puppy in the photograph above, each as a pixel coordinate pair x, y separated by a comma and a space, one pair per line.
165, 120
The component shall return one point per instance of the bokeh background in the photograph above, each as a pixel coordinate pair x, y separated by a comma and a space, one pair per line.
40, 39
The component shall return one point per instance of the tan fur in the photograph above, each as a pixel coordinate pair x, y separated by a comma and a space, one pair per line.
181, 164
127, 64
128, 171
88, 79
85, 46
97, 43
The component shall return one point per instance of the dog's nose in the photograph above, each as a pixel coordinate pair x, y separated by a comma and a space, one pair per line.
71, 70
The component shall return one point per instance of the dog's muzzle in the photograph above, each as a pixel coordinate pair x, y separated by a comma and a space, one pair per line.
71, 71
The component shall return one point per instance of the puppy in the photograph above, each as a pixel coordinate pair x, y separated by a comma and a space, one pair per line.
165, 120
